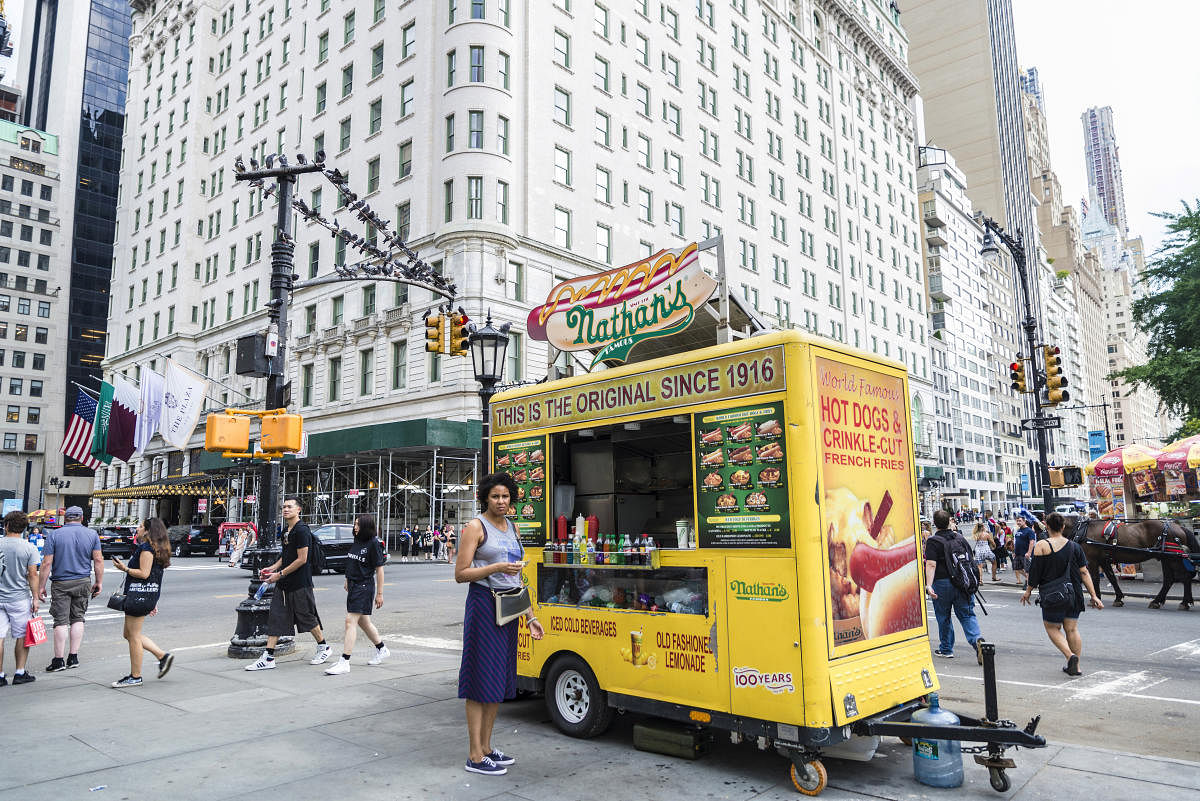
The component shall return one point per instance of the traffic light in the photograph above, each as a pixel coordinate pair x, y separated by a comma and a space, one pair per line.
1072, 476
1056, 477
227, 432
458, 334
282, 433
435, 333
1016, 371
1055, 380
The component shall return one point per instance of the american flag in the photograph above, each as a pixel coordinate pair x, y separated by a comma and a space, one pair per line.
78, 442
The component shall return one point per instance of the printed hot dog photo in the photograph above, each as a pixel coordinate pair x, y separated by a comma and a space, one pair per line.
869, 511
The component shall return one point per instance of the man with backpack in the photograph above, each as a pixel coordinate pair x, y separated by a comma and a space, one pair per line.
293, 604
951, 582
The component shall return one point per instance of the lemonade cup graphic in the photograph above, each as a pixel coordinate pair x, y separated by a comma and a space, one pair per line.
635, 646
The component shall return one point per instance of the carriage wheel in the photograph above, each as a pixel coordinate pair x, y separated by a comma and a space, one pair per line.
999, 780
809, 778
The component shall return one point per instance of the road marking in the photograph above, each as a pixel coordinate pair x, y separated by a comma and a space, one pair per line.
238, 595
198, 567
1037, 686
1183, 650
198, 647
1110, 683
426, 642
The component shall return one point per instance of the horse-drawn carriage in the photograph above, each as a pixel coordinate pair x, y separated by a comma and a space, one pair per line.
1121, 481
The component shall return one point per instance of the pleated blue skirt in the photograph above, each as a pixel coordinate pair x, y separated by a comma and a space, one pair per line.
488, 673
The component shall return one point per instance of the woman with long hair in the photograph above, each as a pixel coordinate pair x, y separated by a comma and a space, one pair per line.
490, 557
983, 550
143, 584
364, 591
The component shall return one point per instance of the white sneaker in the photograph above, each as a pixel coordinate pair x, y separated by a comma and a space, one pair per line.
341, 667
264, 663
322, 655
380, 655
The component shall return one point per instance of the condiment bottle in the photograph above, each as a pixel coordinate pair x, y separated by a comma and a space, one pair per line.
593, 527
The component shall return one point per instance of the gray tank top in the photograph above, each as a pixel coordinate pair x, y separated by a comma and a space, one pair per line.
500, 546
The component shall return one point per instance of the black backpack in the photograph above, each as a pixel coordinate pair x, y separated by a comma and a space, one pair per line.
960, 563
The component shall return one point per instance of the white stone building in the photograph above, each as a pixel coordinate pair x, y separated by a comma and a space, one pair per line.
514, 144
33, 313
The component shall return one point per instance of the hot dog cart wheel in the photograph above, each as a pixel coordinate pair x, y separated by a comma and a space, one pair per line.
577, 705
999, 779
810, 777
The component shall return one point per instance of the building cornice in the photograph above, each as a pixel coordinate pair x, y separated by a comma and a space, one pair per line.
846, 14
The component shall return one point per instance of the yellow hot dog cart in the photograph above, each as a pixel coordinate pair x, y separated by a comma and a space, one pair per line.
782, 598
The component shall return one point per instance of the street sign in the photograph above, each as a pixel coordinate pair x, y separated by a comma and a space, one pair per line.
250, 499
1042, 423
353, 493
202, 505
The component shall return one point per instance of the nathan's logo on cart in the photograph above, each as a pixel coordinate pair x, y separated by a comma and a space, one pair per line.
752, 677
615, 310
758, 591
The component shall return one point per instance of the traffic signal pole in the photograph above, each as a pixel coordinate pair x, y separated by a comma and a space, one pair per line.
1029, 322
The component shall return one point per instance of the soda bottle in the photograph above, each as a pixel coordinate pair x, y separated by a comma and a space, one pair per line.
570, 554
261, 591
643, 550
591, 552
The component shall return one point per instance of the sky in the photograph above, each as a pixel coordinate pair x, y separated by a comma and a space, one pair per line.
1141, 60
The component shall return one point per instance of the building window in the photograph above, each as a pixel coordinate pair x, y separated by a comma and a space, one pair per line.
449, 133
373, 175
474, 198
368, 300
502, 135
475, 129
344, 135
403, 220
338, 310
476, 64
515, 365
448, 200
377, 61
562, 107
366, 372
603, 244
409, 41
503, 70
306, 385
435, 368
562, 166
562, 49
335, 378
502, 202
477, 9
347, 80
399, 365
562, 227
376, 119
451, 66
406, 98
405, 159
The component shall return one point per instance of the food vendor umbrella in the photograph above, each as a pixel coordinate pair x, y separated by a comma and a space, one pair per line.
1121, 461
1180, 455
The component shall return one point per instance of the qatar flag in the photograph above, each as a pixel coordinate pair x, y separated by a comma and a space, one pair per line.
122, 421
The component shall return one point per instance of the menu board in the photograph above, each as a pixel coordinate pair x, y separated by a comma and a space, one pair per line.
525, 461
741, 477
1109, 494
1176, 483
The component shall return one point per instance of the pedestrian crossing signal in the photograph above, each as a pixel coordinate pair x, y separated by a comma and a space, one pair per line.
226, 432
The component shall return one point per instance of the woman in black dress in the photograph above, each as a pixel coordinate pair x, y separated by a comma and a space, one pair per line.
1054, 558
143, 583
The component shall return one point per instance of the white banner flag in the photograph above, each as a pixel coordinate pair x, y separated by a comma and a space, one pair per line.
183, 400
150, 411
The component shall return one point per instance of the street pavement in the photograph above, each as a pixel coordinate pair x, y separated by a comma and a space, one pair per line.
212, 731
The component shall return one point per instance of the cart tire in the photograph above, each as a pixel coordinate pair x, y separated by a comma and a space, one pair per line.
577, 705
178, 550
999, 779
810, 778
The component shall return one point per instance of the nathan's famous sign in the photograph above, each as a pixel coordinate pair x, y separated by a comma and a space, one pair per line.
615, 310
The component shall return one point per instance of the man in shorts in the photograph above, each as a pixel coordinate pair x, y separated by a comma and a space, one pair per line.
293, 604
71, 554
18, 592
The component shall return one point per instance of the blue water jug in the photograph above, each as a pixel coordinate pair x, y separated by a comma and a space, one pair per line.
937, 763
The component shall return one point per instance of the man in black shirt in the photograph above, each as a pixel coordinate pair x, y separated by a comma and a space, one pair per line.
293, 605
946, 597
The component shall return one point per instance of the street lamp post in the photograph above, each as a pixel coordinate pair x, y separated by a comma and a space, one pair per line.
1015, 246
250, 636
489, 347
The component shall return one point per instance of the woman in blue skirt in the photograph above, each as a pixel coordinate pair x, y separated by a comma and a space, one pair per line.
490, 557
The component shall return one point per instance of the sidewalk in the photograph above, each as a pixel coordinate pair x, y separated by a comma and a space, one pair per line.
1133, 588
213, 731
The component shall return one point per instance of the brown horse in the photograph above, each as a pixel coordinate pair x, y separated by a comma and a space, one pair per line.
1140, 535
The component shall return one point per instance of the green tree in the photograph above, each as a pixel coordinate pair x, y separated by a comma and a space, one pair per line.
1170, 315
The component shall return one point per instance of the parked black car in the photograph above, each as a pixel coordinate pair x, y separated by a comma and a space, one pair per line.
187, 540
336, 539
117, 541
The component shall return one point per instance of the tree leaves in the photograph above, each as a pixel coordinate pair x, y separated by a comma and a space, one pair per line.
1170, 316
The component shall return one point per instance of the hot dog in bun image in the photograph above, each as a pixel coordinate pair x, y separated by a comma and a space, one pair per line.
873, 576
